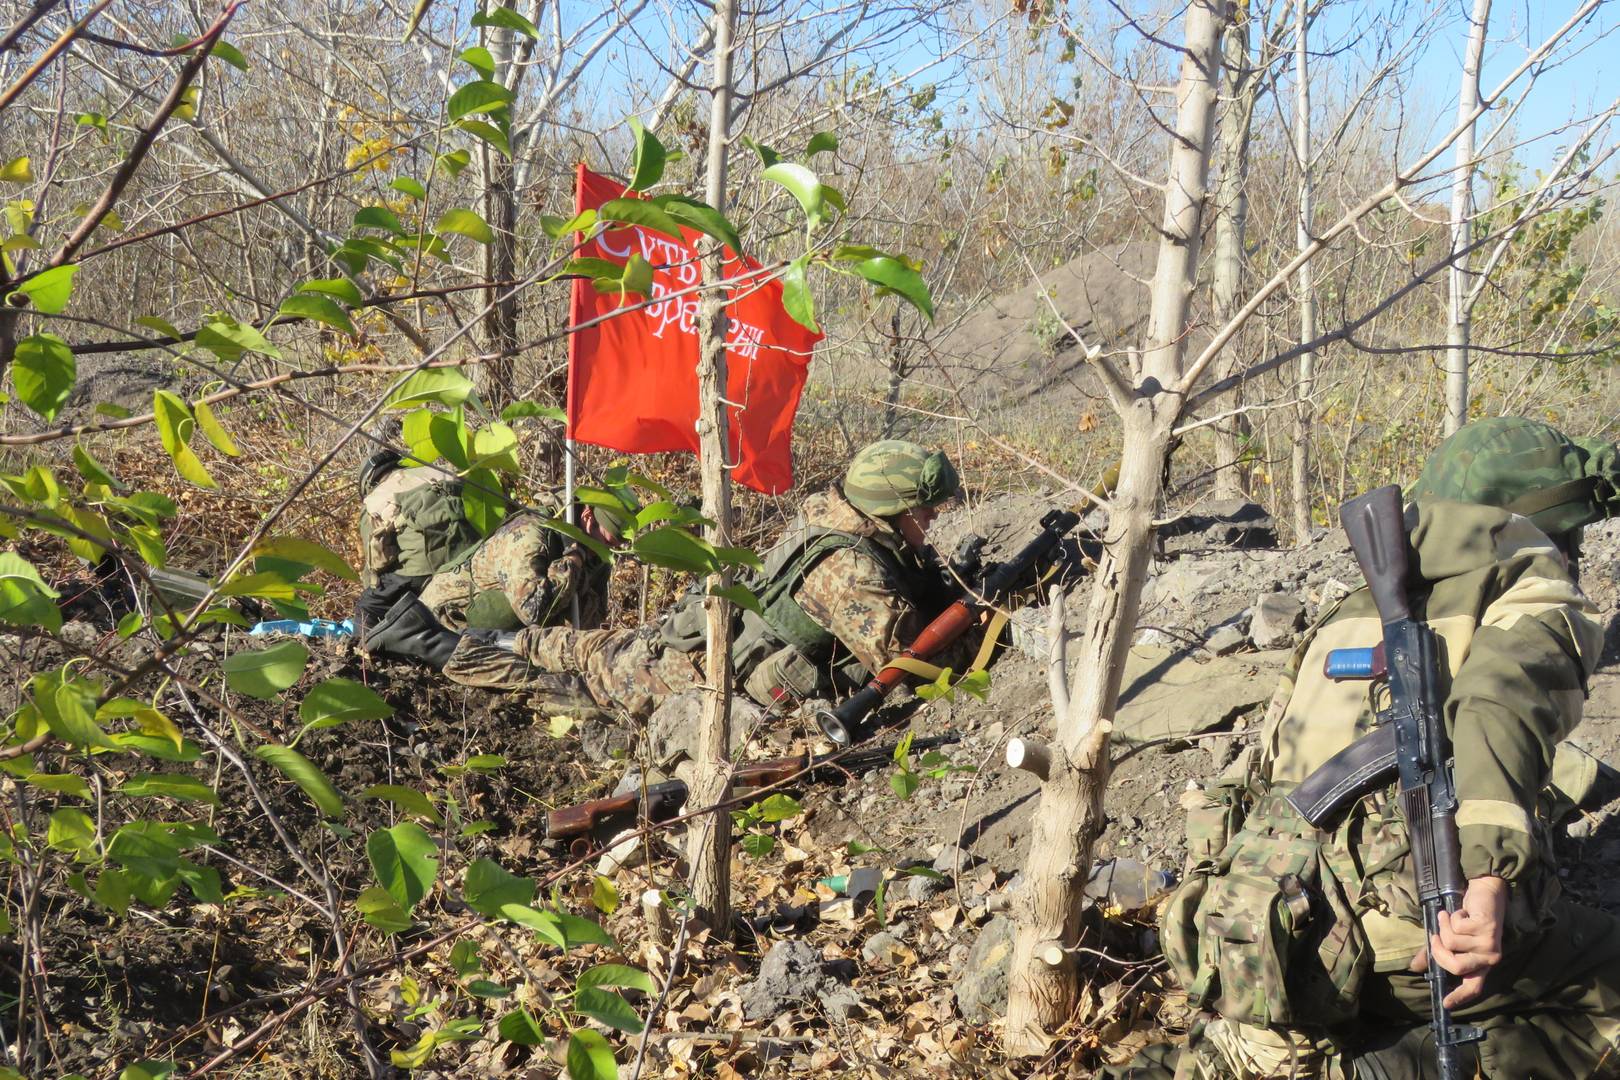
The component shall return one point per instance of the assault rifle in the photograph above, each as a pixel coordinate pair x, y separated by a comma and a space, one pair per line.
1410, 743
604, 818
841, 724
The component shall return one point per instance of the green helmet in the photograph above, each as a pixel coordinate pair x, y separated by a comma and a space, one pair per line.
1525, 466
893, 476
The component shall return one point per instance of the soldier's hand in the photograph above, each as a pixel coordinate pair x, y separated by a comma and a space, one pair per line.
1469, 943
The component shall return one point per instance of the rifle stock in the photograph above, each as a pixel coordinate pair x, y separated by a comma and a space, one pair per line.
1375, 525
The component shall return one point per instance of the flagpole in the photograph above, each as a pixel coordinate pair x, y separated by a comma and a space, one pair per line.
568, 515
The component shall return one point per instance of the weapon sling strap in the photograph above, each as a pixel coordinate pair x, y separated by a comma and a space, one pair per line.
923, 669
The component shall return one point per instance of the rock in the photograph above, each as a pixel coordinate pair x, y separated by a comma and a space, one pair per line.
672, 728
628, 849
1182, 580
1220, 523
922, 888
981, 992
1226, 640
885, 948
792, 974
953, 860
1276, 620
630, 781
603, 743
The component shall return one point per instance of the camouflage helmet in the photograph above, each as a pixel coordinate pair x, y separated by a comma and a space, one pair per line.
893, 476
1525, 466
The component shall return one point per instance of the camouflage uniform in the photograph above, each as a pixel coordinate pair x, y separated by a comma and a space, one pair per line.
1300, 939
524, 574
869, 598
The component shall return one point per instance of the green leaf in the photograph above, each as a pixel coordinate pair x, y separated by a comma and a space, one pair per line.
702, 217
518, 410
855, 847
482, 501
543, 923
616, 975
43, 370
265, 585
804, 186
17, 171
72, 831
203, 881
174, 786
797, 299
379, 909
301, 771
487, 888
606, 1007
483, 988
209, 425
642, 213
779, 807
92, 119
580, 931
298, 550
91, 469
579, 536
175, 425
465, 223
378, 217
25, 599
767, 156
590, 1057
478, 97
485, 763
339, 288
445, 386
266, 672
464, 958
152, 322
453, 162
404, 860
321, 309
490, 133
149, 542
757, 845
604, 897
904, 783
559, 227
676, 549
408, 799
69, 709
738, 556
638, 276
228, 340
508, 19
519, 1026
478, 58
647, 166
230, 54
49, 290
60, 783
976, 683
147, 1070
337, 701
819, 142
894, 276
409, 186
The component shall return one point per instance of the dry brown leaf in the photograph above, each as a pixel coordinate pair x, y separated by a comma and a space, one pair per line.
945, 918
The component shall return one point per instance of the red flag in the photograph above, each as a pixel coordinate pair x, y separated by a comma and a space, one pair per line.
632, 379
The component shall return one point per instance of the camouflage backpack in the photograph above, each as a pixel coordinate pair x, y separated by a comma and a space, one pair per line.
411, 522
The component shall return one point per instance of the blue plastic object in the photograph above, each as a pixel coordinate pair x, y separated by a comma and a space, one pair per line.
1354, 663
314, 628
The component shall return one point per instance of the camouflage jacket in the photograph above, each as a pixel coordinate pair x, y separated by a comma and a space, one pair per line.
857, 598
1520, 642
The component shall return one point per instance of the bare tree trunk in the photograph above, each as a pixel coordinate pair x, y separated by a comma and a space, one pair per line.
497, 379
1238, 86
1460, 328
1043, 985
710, 850
1304, 280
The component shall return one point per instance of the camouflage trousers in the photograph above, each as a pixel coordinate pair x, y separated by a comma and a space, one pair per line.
1550, 1011
522, 563
624, 672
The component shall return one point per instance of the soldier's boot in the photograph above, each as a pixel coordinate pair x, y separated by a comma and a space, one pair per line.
410, 632
374, 603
